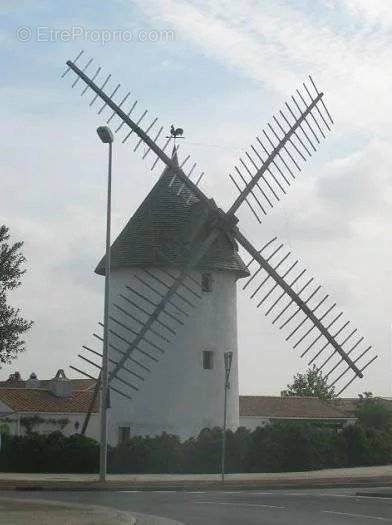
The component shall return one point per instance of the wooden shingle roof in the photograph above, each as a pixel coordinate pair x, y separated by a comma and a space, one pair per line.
160, 230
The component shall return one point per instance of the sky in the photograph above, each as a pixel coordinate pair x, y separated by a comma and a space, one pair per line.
220, 70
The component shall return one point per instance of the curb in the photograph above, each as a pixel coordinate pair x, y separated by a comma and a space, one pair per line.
56, 486
375, 494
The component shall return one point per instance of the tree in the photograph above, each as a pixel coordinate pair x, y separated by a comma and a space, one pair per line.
312, 384
373, 412
12, 325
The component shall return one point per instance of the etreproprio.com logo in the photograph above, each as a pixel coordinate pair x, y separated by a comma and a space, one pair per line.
97, 36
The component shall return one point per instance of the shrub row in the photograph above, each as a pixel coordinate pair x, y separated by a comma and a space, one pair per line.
278, 447
48, 453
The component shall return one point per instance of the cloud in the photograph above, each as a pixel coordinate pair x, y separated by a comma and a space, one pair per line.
376, 14
231, 66
338, 218
277, 44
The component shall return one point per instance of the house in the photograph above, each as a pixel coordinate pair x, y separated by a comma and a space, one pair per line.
48, 405
61, 403
256, 411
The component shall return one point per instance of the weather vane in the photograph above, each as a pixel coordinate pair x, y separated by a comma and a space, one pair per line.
176, 133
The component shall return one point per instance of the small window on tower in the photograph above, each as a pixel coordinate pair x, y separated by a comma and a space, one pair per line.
124, 435
208, 360
206, 282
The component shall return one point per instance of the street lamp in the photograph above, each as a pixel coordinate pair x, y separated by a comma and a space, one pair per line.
228, 356
106, 137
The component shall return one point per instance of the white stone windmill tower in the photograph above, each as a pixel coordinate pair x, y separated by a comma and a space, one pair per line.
180, 235
184, 393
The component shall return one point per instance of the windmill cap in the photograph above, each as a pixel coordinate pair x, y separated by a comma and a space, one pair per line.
161, 229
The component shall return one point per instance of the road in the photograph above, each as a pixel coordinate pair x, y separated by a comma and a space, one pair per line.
278, 507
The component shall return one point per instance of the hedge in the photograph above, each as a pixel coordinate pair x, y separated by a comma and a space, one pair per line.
278, 447
49, 453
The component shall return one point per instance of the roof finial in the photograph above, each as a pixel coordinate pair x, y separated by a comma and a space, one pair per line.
174, 155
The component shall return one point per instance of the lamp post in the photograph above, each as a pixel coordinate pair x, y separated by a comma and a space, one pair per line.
228, 356
106, 137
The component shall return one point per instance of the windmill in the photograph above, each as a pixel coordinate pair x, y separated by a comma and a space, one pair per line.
158, 301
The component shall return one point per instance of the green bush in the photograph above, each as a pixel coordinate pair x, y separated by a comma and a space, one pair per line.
202, 453
366, 446
356, 446
49, 453
281, 447
147, 454
379, 447
237, 450
373, 413
278, 447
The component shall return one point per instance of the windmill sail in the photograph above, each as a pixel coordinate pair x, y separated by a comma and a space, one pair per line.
149, 321
262, 178
269, 167
296, 304
144, 133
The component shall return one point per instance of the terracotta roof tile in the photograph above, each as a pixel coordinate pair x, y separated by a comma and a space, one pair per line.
347, 405
77, 384
39, 400
289, 407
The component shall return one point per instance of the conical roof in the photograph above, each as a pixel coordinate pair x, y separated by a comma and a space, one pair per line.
159, 233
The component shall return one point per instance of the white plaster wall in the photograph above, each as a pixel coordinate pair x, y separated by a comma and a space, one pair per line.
252, 422
47, 427
178, 396
11, 420
4, 409
93, 429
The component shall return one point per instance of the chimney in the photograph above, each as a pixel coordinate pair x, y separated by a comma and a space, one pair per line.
13, 378
60, 385
33, 381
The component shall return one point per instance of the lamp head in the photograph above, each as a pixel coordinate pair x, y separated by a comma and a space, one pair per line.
105, 134
228, 356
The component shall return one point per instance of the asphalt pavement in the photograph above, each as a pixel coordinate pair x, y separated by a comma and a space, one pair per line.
41, 512
274, 507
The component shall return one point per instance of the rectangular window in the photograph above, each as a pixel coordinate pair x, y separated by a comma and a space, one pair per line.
124, 434
208, 360
206, 282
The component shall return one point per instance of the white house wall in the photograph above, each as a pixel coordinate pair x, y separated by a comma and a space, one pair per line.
252, 422
178, 396
4, 409
47, 426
